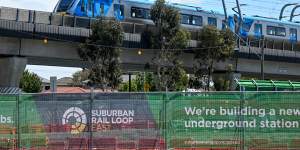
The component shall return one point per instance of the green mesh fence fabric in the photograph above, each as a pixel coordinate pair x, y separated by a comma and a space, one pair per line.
182, 121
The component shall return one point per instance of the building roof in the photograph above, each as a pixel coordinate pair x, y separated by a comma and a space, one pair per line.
62, 89
44, 81
65, 81
68, 90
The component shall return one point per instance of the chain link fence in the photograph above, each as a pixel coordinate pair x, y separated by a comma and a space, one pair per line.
151, 121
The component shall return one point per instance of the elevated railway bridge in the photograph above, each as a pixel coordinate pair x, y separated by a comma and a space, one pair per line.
44, 38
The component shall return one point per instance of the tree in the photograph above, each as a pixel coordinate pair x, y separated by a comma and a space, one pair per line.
168, 39
149, 82
143, 82
124, 87
80, 76
140, 81
30, 82
101, 52
214, 46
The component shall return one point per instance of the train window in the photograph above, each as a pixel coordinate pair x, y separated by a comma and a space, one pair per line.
89, 5
277, 31
122, 10
64, 5
271, 30
280, 31
212, 21
119, 11
258, 29
82, 6
137, 12
197, 20
246, 26
102, 9
185, 19
147, 13
140, 13
293, 34
224, 25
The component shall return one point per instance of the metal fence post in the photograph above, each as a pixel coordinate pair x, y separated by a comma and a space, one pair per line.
165, 101
18, 121
242, 119
92, 96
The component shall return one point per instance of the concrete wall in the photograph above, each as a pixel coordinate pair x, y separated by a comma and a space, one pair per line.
56, 53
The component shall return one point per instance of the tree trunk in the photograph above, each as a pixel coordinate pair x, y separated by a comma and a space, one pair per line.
210, 71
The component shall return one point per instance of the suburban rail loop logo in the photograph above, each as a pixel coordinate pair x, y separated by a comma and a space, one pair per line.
76, 118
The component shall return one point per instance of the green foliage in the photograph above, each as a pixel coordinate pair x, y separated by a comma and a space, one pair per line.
166, 18
30, 82
124, 87
149, 82
168, 38
99, 50
143, 82
214, 46
195, 83
222, 84
80, 76
183, 82
140, 82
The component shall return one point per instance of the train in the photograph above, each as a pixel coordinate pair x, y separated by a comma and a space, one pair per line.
192, 17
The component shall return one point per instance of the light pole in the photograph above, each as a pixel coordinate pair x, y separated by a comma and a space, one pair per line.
129, 82
225, 10
262, 59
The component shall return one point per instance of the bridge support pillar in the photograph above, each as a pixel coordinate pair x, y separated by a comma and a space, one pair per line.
11, 69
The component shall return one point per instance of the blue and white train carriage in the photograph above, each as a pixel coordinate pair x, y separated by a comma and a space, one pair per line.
268, 27
191, 17
136, 11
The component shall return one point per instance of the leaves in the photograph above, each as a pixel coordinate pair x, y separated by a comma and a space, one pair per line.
169, 38
214, 46
80, 76
101, 52
30, 82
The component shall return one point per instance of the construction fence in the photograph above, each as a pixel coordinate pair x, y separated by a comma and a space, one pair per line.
151, 121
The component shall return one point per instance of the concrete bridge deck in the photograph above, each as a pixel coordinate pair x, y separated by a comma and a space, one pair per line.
22, 33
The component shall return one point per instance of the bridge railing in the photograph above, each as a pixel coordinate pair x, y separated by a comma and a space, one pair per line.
57, 25
40, 17
270, 52
48, 24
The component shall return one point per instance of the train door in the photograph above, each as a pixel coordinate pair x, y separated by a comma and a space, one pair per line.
258, 30
87, 8
293, 35
119, 12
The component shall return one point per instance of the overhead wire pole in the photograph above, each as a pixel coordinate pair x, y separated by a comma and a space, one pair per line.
240, 117
240, 14
238, 24
238, 21
225, 11
283, 8
293, 12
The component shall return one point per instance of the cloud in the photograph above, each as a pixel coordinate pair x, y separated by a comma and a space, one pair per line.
41, 5
48, 71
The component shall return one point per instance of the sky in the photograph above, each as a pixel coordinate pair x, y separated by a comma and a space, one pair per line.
266, 8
